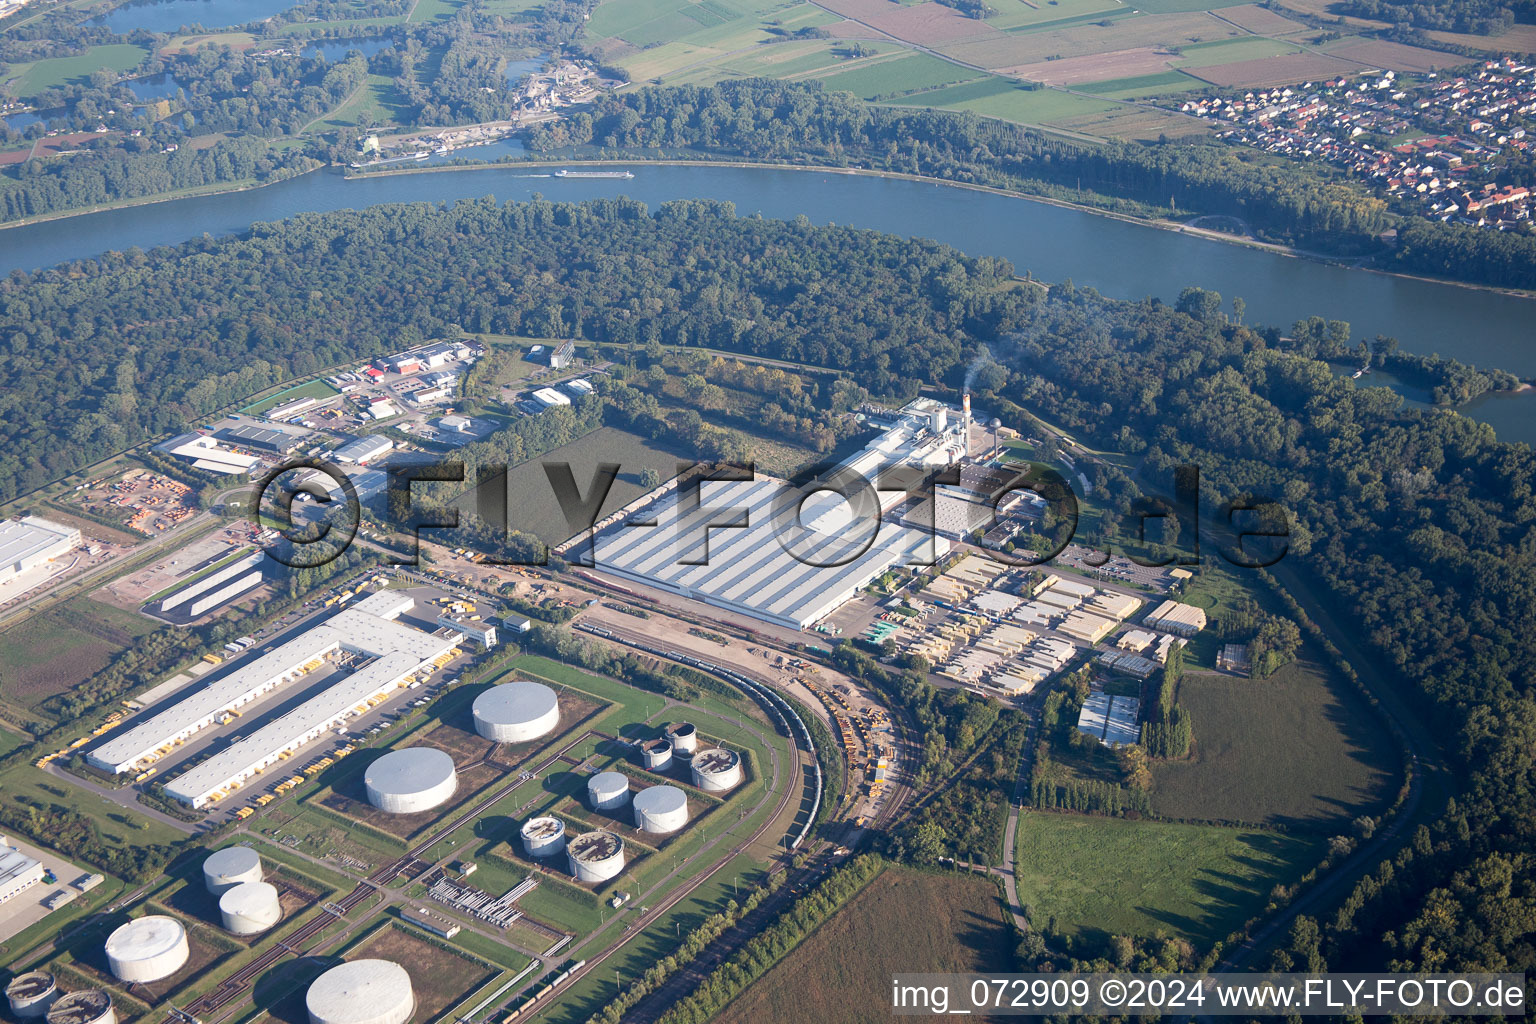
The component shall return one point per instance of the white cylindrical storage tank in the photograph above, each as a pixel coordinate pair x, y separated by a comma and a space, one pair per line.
661, 809
31, 994
410, 780
229, 867
716, 770
250, 908
147, 949
657, 755
596, 856
543, 837
361, 992
88, 1006
516, 712
608, 790
684, 737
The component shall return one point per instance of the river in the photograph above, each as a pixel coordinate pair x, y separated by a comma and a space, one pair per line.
1118, 258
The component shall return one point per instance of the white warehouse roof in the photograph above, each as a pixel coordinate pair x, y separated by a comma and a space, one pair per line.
265, 746
549, 397
30, 541
353, 629
749, 570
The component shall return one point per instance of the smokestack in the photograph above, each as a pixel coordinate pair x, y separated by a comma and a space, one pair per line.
965, 410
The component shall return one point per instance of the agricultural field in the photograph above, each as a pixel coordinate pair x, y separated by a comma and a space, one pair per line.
53, 652
1296, 749
1108, 54
24, 80
1088, 878
890, 78
903, 921
1009, 101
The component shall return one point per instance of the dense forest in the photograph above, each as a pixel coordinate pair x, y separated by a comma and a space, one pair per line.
1284, 201
1484, 17
1398, 513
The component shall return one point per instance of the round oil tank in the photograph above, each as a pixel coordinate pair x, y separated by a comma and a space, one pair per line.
410, 780
516, 712
361, 992
147, 949
608, 790
684, 737
657, 755
31, 994
227, 868
87, 1006
250, 908
716, 770
543, 837
596, 856
661, 809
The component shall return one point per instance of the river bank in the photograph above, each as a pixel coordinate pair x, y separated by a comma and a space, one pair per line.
1159, 223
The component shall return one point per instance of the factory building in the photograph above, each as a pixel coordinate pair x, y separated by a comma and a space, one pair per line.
716, 770
791, 562
455, 424
363, 450
366, 629
557, 356
361, 992
661, 809
31, 994
543, 837
263, 439
477, 629
147, 949
548, 398
87, 1006
250, 908
437, 924
30, 541
18, 872
206, 453
608, 791
596, 856
411, 780
214, 581
288, 410
1184, 619
579, 387
516, 712
229, 867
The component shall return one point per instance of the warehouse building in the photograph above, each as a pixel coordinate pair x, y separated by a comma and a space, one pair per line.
265, 439
363, 449
367, 629
205, 452
749, 570
214, 581
548, 398
18, 872
792, 573
30, 541
1184, 619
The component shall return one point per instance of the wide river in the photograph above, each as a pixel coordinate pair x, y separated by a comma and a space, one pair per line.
1119, 258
